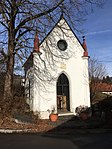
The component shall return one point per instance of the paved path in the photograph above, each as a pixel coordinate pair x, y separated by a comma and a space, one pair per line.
33, 141
79, 139
68, 134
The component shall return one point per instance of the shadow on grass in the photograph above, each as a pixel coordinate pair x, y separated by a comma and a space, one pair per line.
84, 134
71, 126
101, 120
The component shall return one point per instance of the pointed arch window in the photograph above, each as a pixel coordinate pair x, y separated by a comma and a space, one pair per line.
63, 89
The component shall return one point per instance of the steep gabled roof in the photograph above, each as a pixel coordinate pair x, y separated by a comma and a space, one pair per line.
103, 87
62, 17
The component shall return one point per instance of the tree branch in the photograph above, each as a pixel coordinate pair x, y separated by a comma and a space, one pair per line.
4, 25
37, 16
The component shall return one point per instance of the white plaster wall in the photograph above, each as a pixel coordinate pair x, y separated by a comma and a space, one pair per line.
108, 93
44, 90
29, 91
86, 82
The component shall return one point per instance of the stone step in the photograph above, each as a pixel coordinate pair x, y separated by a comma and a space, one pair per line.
66, 119
65, 114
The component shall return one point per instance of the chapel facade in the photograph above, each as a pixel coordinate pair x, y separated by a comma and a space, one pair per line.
56, 73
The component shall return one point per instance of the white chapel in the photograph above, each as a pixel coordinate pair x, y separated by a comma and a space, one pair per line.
56, 72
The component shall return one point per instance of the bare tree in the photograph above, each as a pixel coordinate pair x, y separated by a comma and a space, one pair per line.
96, 73
2, 71
20, 19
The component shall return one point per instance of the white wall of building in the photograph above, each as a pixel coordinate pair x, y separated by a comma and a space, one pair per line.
47, 68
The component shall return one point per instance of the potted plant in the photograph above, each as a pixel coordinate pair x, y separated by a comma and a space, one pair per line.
53, 116
82, 111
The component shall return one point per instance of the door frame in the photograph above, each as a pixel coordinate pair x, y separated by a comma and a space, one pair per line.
67, 98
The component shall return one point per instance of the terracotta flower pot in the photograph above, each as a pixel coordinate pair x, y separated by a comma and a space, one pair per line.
84, 116
53, 117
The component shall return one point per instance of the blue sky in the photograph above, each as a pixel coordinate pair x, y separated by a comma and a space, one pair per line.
98, 34
98, 27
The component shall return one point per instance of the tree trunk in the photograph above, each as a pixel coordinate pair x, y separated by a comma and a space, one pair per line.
8, 86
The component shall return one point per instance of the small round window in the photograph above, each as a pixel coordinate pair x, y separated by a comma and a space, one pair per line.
62, 45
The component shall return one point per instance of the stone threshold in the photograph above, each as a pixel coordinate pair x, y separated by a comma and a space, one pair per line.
65, 113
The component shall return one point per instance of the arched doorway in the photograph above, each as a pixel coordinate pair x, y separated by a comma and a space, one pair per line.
63, 100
